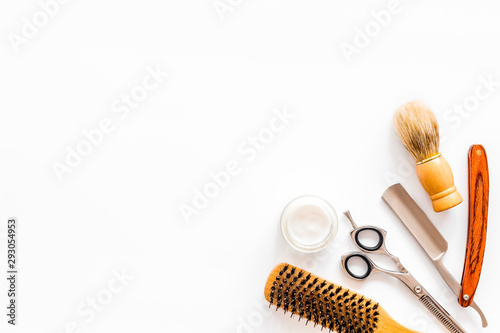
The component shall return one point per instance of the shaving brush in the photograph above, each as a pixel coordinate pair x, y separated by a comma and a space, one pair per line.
417, 128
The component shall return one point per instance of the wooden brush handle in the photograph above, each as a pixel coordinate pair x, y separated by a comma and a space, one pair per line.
437, 179
478, 221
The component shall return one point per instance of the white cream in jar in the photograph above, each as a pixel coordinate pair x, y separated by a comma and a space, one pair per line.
309, 223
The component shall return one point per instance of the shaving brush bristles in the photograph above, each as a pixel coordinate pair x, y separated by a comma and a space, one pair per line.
418, 129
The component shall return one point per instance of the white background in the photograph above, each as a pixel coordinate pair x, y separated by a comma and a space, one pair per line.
119, 209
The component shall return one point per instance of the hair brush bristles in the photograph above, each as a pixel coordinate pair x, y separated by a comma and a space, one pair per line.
417, 128
332, 306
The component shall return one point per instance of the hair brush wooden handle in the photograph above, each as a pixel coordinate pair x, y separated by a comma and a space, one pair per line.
478, 221
437, 179
329, 305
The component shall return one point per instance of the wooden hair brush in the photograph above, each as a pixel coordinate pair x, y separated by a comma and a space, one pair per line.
417, 128
332, 306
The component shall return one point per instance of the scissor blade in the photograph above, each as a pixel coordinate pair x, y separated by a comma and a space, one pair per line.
441, 314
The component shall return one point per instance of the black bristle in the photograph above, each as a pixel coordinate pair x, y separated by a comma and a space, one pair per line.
332, 307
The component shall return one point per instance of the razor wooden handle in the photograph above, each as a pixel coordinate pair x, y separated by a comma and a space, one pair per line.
478, 220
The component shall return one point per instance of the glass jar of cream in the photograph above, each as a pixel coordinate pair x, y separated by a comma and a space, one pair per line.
309, 223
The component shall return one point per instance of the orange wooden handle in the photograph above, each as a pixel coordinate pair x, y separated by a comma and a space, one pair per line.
437, 179
478, 221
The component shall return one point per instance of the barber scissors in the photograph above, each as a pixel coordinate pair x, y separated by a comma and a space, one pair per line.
401, 274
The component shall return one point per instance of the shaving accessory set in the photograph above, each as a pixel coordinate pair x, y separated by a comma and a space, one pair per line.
309, 224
